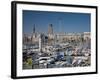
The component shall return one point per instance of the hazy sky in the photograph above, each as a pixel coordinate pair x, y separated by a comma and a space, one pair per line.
62, 21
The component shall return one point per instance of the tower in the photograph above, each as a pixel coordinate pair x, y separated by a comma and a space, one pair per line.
40, 42
34, 28
33, 36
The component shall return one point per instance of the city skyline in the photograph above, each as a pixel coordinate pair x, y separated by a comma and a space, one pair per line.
61, 21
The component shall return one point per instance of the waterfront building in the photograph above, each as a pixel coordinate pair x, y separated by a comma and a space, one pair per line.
87, 36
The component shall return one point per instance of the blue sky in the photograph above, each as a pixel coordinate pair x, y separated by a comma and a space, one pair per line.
62, 21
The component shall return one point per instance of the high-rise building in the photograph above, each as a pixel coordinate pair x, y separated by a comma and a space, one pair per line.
50, 29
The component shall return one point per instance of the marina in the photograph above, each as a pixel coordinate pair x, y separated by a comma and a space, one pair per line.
57, 55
